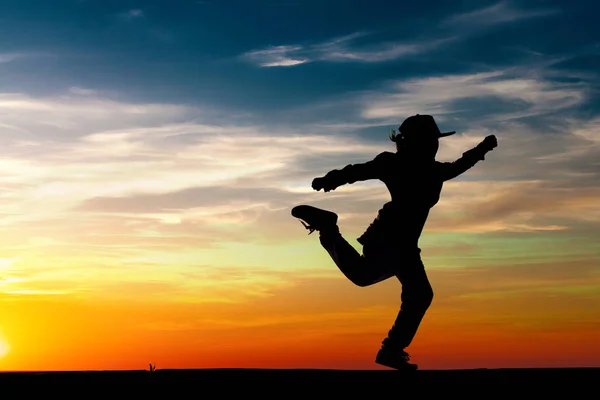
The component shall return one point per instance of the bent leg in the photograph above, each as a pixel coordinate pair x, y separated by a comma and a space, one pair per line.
352, 264
416, 298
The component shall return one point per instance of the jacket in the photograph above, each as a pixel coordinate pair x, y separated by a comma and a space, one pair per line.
414, 185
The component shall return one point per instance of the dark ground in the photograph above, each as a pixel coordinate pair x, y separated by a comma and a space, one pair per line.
290, 383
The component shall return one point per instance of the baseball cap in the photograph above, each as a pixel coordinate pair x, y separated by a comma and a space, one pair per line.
421, 125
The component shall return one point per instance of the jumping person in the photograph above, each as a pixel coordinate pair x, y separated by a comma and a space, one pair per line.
390, 244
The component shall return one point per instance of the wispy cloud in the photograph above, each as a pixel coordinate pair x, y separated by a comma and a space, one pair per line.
44, 118
8, 57
131, 184
499, 13
531, 94
277, 56
590, 130
346, 49
114, 179
82, 91
340, 49
77, 148
518, 206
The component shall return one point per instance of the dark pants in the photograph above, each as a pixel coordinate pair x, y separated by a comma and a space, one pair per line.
381, 261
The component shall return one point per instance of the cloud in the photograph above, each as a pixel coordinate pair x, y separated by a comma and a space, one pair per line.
590, 130
526, 94
514, 206
379, 53
8, 57
211, 196
82, 91
277, 56
69, 115
499, 13
215, 174
339, 50
84, 155
156, 184
346, 49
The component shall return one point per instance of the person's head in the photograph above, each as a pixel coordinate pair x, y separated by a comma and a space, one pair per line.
418, 136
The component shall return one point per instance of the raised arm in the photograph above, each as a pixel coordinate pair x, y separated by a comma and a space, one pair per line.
469, 158
352, 173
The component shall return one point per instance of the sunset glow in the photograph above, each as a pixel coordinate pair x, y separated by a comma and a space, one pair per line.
4, 347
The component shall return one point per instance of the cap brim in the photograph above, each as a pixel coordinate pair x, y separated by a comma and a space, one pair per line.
444, 134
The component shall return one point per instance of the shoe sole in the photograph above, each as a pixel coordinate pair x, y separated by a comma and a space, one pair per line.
299, 210
408, 368
400, 366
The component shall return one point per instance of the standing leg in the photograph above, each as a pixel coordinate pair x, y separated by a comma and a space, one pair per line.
416, 298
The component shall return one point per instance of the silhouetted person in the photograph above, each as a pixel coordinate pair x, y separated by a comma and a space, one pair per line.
390, 244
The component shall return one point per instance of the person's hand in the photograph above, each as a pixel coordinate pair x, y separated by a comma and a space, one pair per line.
490, 142
321, 183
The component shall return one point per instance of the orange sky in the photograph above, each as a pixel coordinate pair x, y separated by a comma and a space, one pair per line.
487, 315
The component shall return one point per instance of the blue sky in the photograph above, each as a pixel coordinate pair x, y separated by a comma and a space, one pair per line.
208, 117
322, 54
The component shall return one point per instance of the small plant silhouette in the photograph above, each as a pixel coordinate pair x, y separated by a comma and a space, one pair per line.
152, 368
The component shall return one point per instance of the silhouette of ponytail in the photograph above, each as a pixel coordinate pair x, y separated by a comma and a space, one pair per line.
398, 139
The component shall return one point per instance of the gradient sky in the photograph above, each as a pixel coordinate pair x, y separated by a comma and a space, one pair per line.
152, 151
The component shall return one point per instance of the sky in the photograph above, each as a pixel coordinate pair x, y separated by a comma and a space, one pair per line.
152, 152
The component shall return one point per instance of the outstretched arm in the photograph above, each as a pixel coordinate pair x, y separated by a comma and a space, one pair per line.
468, 159
351, 173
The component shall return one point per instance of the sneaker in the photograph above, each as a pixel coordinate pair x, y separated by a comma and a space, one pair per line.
396, 359
315, 219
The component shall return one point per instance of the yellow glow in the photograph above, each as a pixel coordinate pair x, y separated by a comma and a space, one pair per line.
4, 347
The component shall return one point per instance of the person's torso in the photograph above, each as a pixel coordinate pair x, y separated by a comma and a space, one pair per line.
412, 184
414, 188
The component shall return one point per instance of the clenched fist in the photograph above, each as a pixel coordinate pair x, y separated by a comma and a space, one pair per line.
490, 142
322, 183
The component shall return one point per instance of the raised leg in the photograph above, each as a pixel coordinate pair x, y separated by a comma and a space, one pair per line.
358, 269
